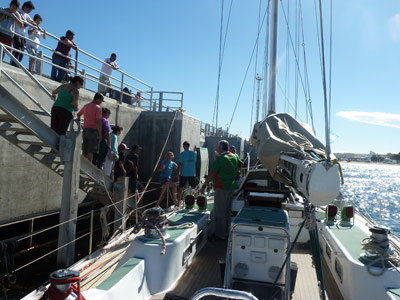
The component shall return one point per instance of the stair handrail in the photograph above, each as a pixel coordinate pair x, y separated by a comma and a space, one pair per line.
76, 61
223, 293
3, 49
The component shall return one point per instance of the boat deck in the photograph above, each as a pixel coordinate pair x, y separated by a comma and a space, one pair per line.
205, 272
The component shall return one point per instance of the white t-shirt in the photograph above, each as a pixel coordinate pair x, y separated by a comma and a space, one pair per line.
106, 68
19, 29
35, 36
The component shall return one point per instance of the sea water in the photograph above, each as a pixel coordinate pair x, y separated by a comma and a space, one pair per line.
375, 188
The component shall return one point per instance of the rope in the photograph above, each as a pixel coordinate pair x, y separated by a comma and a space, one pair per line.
382, 256
151, 177
247, 70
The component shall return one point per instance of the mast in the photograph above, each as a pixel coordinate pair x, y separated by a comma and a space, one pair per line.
273, 58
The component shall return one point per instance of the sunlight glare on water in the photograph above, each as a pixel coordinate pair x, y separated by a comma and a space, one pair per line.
369, 184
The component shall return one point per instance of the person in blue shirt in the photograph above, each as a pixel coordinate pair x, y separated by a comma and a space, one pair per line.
186, 169
166, 167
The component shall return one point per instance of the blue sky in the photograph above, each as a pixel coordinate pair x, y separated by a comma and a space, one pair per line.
173, 45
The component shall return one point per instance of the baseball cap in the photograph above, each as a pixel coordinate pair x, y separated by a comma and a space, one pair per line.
122, 146
134, 147
232, 147
186, 143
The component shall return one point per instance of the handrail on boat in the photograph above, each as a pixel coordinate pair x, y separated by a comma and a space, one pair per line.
223, 293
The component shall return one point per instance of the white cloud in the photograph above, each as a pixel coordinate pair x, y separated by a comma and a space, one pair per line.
376, 118
394, 27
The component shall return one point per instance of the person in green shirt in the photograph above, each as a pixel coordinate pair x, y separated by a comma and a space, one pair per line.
66, 102
223, 174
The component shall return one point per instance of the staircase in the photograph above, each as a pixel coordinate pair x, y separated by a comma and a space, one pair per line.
28, 129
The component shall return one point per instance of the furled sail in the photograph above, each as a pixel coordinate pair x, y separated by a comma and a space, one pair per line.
294, 156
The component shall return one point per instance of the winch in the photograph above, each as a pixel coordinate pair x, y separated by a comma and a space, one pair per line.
151, 218
65, 284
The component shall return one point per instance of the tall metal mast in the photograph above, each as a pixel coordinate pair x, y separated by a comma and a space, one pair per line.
273, 58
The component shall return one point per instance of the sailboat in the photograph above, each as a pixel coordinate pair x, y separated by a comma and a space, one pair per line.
297, 190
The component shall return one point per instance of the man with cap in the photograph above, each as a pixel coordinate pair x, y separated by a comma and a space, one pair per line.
92, 126
133, 160
186, 168
232, 149
223, 174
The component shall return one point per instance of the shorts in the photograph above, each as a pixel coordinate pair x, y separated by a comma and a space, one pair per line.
164, 180
184, 179
6, 39
90, 141
106, 87
32, 50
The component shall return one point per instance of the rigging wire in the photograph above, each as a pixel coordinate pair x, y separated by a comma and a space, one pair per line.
308, 97
255, 74
247, 70
330, 66
294, 51
221, 59
327, 121
215, 115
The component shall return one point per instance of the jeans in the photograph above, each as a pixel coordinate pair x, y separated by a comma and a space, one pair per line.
101, 157
56, 73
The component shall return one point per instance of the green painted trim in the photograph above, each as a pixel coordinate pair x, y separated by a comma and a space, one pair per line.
395, 293
179, 218
350, 237
118, 274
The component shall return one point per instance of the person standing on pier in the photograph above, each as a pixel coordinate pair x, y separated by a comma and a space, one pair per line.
108, 66
64, 48
166, 167
66, 102
186, 169
8, 21
18, 41
224, 175
35, 35
92, 126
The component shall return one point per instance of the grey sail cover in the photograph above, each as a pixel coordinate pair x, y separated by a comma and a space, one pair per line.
281, 133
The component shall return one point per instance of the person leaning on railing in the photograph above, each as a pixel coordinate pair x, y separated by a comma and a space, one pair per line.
34, 34
8, 18
64, 47
66, 102
19, 41
109, 64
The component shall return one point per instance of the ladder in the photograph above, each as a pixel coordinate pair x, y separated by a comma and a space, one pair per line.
29, 130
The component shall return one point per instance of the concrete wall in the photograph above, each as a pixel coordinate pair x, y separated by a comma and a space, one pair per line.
26, 186
151, 131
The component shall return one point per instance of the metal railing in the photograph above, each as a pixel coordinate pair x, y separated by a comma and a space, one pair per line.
209, 130
123, 86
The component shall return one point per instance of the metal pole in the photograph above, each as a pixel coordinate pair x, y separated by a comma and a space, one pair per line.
39, 64
151, 99
160, 101
76, 62
84, 78
273, 61
91, 232
70, 153
122, 88
31, 230
120, 192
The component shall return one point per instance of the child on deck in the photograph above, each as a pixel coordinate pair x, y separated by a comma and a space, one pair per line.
166, 168
34, 35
